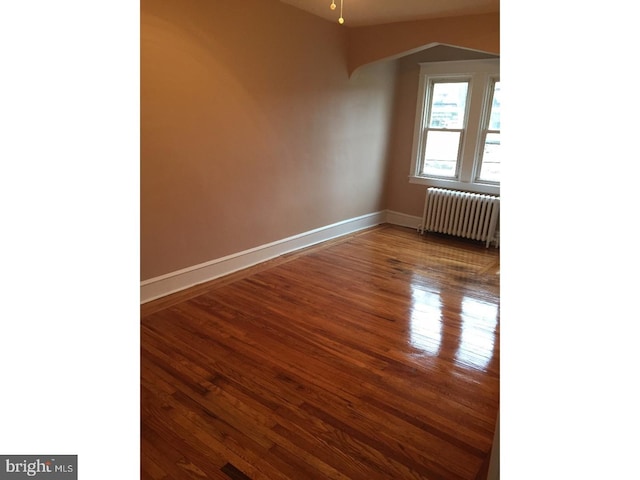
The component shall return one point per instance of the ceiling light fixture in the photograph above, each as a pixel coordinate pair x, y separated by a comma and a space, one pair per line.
333, 7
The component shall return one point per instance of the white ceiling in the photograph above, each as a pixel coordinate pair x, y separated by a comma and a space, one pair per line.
359, 13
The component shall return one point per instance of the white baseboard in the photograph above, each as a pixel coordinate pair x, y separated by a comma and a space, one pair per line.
188, 277
403, 220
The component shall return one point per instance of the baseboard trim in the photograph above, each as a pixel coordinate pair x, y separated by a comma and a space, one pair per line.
173, 282
403, 220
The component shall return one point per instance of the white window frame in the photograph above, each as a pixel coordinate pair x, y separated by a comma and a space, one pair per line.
480, 74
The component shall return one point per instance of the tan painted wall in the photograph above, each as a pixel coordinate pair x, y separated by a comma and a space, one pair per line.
370, 44
251, 130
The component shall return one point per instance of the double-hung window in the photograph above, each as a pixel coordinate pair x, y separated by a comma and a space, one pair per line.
457, 134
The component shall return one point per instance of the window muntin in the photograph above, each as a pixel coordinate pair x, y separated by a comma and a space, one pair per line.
445, 127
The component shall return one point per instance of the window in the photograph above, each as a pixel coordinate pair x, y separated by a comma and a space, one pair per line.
490, 162
457, 136
446, 119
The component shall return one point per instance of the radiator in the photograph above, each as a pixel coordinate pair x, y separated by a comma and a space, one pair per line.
463, 214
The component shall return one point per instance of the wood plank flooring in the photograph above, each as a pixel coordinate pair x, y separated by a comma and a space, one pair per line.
374, 356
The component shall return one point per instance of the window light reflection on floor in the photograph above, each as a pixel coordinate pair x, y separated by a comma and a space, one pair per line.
479, 320
426, 320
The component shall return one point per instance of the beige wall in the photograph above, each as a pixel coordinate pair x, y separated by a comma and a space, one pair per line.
369, 44
251, 130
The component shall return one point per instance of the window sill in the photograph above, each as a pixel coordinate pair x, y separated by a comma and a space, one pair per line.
457, 185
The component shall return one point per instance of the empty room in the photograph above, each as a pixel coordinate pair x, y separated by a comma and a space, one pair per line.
319, 239
287, 239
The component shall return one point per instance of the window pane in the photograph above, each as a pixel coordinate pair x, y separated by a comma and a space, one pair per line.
494, 120
448, 105
490, 170
441, 153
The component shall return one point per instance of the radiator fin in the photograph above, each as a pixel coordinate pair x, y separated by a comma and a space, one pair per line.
463, 214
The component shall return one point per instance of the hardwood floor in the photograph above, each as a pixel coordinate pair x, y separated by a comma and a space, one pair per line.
374, 356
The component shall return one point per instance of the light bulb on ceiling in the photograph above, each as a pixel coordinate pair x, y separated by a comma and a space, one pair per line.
333, 5
341, 20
